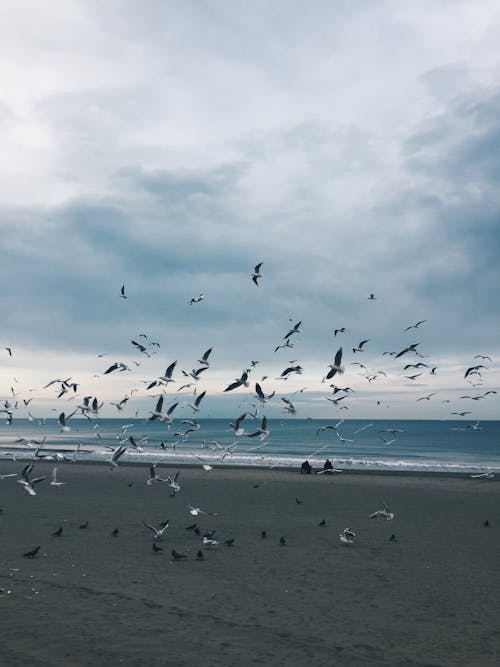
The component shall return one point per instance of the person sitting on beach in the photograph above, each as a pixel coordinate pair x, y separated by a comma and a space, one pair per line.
306, 468
327, 467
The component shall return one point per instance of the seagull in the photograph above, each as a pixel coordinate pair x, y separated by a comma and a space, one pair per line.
243, 380
25, 480
336, 366
410, 348
342, 439
371, 297
329, 426
360, 346
116, 454
195, 406
206, 466
483, 475
341, 330
158, 413
208, 542
157, 532
196, 299
153, 477
474, 427
196, 511
347, 537
172, 482
289, 407
140, 347
204, 360
238, 430
295, 329
62, 420
382, 514
164, 379
122, 292
118, 366
291, 369
478, 356
387, 442
260, 394
256, 273
32, 554
414, 326
473, 370
262, 432
54, 481
426, 398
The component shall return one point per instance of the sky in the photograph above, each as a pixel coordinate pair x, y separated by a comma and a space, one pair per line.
353, 148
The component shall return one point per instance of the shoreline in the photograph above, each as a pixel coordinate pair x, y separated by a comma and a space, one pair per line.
289, 469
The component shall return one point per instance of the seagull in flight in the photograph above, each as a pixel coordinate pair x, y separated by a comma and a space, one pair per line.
153, 477
243, 380
478, 356
157, 532
54, 481
116, 454
196, 511
27, 482
122, 292
237, 428
336, 366
341, 330
195, 406
473, 370
257, 273
204, 360
384, 513
196, 299
360, 346
295, 329
262, 431
260, 394
414, 326
410, 348
289, 407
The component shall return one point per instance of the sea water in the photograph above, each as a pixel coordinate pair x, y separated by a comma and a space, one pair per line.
417, 445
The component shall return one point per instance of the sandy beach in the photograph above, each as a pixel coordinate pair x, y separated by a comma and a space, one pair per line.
428, 597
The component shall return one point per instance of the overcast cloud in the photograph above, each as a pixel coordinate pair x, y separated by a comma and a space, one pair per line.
352, 147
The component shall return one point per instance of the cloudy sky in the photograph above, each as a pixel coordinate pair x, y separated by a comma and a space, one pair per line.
351, 147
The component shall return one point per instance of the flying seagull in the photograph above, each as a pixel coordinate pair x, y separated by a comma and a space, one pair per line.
195, 406
122, 292
295, 329
27, 482
336, 366
54, 481
196, 299
157, 532
116, 454
414, 326
257, 273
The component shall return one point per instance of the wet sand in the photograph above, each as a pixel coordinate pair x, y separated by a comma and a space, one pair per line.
431, 597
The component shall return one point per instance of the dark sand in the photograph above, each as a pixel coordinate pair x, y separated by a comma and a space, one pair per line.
430, 598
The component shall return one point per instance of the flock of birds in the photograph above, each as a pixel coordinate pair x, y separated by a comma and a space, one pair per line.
255, 397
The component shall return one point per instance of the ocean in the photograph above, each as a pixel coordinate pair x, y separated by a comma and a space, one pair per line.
378, 445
